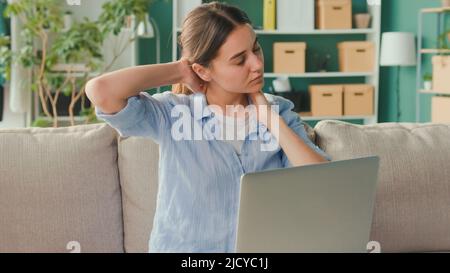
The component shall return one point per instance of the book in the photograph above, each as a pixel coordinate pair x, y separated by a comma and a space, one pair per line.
269, 14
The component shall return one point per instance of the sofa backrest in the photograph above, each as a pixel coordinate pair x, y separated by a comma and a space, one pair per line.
86, 184
59, 190
138, 164
412, 206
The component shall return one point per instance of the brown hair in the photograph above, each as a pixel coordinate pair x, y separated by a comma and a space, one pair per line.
204, 31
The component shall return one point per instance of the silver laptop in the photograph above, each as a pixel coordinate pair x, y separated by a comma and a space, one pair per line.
325, 207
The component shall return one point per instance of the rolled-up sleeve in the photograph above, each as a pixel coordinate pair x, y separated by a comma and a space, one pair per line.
294, 121
143, 116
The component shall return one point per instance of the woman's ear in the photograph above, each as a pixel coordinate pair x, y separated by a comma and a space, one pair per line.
201, 71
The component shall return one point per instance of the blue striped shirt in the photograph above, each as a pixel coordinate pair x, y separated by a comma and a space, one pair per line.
198, 193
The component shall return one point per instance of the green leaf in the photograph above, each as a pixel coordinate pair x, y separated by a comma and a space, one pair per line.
40, 122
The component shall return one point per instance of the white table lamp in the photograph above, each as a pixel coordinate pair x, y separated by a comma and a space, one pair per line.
398, 49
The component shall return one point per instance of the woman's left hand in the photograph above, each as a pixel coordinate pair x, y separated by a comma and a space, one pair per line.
262, 105
258, 98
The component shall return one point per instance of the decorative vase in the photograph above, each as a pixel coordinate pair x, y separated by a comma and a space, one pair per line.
68, 21
427, 85
362, 20
282, 84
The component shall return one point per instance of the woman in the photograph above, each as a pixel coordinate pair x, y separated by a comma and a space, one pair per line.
199, 175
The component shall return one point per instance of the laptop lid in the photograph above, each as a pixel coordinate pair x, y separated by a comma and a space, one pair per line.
324, 207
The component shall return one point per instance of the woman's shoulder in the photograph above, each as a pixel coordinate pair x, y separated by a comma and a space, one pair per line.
283, 103
170, 99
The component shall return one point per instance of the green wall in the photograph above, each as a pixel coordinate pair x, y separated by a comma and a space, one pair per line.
402, 15
397, 15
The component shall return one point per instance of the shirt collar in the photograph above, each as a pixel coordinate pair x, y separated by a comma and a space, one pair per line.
206, 113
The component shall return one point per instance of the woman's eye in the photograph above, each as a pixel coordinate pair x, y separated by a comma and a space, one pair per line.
256, 50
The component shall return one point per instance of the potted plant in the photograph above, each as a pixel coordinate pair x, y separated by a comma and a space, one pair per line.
62, 62
427, 81
362, 20
322, 62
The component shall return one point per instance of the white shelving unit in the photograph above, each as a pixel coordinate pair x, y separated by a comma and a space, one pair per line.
313, 32
440, 12
373, 34
320, 75
316, 32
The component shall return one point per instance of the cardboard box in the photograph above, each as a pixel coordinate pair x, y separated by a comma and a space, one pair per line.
441, 74
326, 100
440, 109
334, 14
358, 99
289, 57
356, 56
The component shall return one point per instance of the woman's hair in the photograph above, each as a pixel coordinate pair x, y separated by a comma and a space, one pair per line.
204, 31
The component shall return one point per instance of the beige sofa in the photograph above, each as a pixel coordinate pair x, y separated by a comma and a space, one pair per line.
84, 188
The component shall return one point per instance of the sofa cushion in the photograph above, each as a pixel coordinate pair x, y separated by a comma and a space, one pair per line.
412, 206
138, 164
60, 185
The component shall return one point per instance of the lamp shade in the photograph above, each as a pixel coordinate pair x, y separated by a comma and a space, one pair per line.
145, 28
398, 49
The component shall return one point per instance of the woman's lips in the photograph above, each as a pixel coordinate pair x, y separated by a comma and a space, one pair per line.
258, 79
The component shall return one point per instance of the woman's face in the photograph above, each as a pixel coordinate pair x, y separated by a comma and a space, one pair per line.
239, 65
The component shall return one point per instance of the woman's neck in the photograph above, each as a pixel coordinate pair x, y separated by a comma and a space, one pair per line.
224, 98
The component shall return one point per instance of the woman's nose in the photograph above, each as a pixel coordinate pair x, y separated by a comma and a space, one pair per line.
257, 62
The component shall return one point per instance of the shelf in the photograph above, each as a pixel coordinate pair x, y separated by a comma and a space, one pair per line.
307, 116
313, 32
434, 51
316, 32
435, 10
432, 92
320, 75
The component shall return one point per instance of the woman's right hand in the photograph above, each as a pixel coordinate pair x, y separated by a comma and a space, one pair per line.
190, 78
